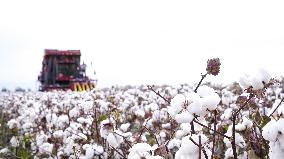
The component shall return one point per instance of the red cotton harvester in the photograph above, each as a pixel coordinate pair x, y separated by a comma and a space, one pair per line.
61, 70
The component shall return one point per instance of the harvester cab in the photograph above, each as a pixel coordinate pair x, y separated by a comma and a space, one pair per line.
61, 70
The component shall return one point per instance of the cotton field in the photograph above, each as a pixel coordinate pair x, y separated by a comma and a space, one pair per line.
243, 120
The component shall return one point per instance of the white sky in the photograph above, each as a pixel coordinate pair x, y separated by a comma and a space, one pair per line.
138, 42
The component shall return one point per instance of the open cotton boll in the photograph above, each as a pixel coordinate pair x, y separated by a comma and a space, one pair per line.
256, 80
227, 114
240, 127
114, 140
89, 151
188, 149
62, 121
263, 75
140, 113
270, 131
74, 112
151, 107
240, 140
58, 134
210, 102
229, 153
177, 102
13, 123
204, 91
4, 151
14, 142
124, 127
172, 111
27, 126
46, 148
192, 97
244, 81
246, 123
184, 117
280, 125
195, 108
186, 127
174, 143
256, 83
275, 151
139, 150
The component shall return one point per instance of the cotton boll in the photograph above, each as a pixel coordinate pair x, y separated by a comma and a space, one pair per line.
195, 137
140, 113
240, 140
281, 141
195, 108
187, 146
166, 125
211, 102
186, 127
80, 136
188, 149
180, 134
4, 151
245, 81
46, 148
177, 102
58, 134
227, 97
114, 140
74, 112
174, 143
227, 142
280, 125
89, 151
275, 150
227, 114
240, 127
124, 127
247, 122
270, 131
62, 121
139, 150
13, 123
162, 134
14, 142
27, 126
204, 91
88, 106
106, 128
40, 139
192, 97
229, 153
98, 149
184, 117
256, 83
152, 107
263, 75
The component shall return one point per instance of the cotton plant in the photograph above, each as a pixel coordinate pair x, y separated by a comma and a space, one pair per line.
190, 147
184, 107
129, 122
273, 131
142, 150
